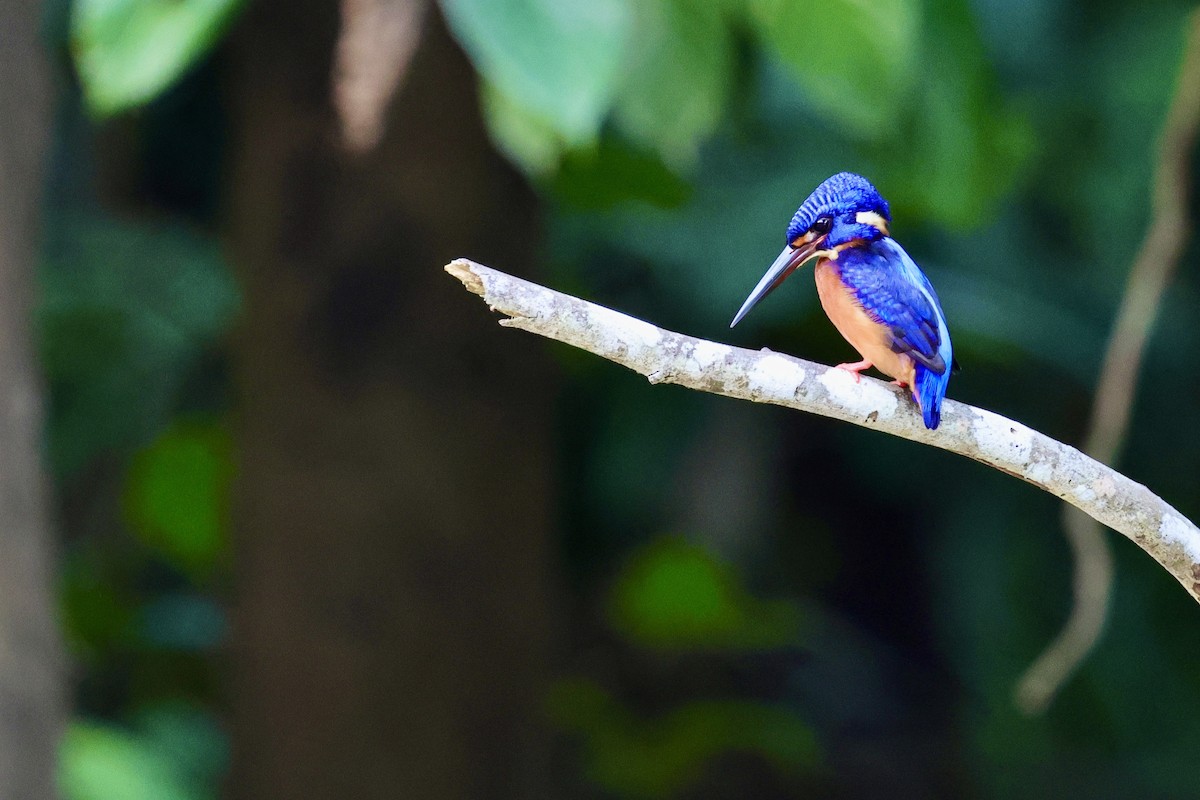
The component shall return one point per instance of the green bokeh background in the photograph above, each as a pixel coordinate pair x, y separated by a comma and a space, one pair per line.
767, 601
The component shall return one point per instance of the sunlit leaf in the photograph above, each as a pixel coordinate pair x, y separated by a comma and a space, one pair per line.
529, 141
856, 61
102, 762
678, 77
559, 59
129, 51
177, 494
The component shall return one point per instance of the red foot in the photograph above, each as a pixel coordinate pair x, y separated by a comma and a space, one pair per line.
855, 368
900, 383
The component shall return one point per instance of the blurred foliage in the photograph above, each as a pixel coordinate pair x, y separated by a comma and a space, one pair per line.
935, 126
639, 758
127, 311
855, 62
613, 173
671, 141
557, 59
135, 306
675, 595
176, 495
681, 58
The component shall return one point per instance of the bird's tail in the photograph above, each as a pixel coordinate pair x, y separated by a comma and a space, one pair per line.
928, 390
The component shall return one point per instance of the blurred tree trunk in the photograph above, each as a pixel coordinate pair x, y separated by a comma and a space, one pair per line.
391, 622
32, 708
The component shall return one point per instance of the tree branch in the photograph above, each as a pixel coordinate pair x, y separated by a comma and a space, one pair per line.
1153, 267
766, 377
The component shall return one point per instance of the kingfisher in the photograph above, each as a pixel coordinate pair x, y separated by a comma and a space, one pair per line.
872, 292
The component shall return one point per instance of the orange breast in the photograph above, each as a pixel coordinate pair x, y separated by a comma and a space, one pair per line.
869, 338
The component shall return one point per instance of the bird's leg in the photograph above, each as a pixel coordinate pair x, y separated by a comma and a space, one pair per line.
855, 368
900, 383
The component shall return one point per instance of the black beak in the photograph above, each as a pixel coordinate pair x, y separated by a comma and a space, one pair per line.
784, 265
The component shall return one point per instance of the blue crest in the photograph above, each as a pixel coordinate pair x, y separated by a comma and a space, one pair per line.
842, 194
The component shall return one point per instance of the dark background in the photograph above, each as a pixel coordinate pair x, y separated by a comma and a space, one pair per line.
316, 527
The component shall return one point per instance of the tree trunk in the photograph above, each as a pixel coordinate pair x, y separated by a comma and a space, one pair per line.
32, 707
392, 618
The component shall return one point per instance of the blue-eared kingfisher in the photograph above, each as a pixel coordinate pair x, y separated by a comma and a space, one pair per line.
873, 293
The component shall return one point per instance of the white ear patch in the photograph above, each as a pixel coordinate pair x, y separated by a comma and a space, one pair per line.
874, 220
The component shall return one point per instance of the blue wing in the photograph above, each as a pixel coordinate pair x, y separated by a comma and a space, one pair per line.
894, 291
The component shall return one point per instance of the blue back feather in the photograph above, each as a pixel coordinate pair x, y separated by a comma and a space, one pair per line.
894, 291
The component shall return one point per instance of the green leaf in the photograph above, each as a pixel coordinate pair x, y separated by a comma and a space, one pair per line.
177, 495
675, 595
856, 61
529, 141
101, 762
558, 59
679, 77
129, 51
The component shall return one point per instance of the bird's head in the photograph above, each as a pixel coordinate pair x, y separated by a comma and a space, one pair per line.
844, 210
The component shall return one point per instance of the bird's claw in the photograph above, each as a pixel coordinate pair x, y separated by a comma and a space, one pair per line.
855, 368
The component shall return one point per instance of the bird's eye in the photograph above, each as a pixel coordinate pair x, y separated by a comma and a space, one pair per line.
821, 226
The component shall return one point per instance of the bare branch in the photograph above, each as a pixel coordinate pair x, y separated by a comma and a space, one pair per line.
1156, 262
767, 377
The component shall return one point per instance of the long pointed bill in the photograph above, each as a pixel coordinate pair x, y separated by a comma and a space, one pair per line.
785, 264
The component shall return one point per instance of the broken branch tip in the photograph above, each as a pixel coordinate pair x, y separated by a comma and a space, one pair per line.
463, 269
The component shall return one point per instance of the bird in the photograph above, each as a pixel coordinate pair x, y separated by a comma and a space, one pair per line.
872, 291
